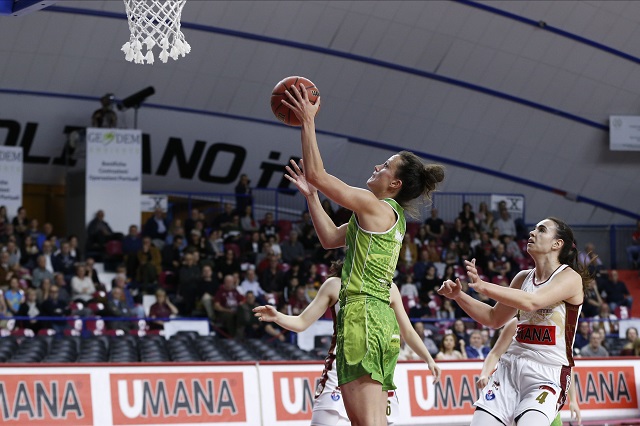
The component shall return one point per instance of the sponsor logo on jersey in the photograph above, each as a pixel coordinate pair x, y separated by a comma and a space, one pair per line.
496, 384
536, 334
335, 395
490, 396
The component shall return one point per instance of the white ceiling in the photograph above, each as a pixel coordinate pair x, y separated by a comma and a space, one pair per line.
478, 86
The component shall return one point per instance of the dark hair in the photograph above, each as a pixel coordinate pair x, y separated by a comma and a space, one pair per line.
418, 180
569, 252
335, 270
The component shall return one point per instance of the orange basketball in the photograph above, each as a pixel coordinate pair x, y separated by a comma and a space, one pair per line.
281, 111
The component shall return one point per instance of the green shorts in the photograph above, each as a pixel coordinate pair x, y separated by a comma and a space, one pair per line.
368, 342
557, 421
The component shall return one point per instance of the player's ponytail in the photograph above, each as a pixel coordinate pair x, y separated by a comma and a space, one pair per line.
569, 252
418, 181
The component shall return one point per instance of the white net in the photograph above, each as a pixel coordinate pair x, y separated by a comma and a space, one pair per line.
154, 23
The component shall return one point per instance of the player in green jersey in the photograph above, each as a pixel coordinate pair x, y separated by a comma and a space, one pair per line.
368, 334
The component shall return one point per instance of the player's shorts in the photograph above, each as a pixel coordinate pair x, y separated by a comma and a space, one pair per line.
328, 410
557, 421
520, 384
368, 341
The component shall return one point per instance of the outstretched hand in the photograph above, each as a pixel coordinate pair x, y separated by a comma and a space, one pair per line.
450, 289
435, 371
266, 313
474, 278
300, 104
295, 174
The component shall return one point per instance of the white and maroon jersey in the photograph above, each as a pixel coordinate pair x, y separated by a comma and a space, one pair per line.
546, 335
329, 379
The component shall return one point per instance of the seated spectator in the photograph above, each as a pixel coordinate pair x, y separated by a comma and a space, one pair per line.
14, 253
298, 301
82, 288
426, 334
149, 265
433, 252
63, 287
5, 270
131, 244
590, 258
120, 281
172, 255
499, 263
228, 265
14, 295
53, 306
253, 328
250, 283
206, 289
47, 252
191, 220
446, 310
408, 253
43, 292
594, 348
226, 302
511, 248
232, 231
459, 329
74, 248
408, 290
505, 223
630, 337
476, 349
40, 272
63, 262
435, 226
247, 222
4, 311
592, 300
225, 217
274, 243
92, 273
117, 307
633, 250
605, 320
448, 349
467, 215
29, 308
162, 308
582, 335
268, 227
98, 233
617, 293
46, 234
156, 228
450, 255
29, 253
421, 239
292, 249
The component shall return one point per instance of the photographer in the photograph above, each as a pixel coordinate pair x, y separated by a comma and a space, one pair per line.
105, 116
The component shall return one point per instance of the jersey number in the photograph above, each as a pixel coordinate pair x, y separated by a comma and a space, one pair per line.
388, 407
541, 398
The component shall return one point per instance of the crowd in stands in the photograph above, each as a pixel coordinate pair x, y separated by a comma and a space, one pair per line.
219, 267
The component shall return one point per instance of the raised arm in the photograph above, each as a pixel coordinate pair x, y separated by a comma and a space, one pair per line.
326, 297
500, 347
410, 335
355, 199
329, 234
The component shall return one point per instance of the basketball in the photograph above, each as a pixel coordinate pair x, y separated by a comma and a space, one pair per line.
281, 111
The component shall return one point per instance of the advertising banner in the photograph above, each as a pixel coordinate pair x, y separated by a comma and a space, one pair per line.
114, 176
624, 133
11, 178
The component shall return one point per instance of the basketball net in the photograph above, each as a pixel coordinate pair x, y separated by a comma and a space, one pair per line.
154, 23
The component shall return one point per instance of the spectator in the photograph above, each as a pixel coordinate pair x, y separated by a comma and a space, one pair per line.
207, 289
433, 252
172, 255
304, 225
46, 234
92, 273
408, 253
188, 277
476, 349
408, 290
434, 225
47, 252
156, 228
426, 334
175, 230
458, 232
63, 286
251, 284
605, 320
162, 308
82, 288
430, 283
328, 208
633, 250
131, 244
14, 295
268, 227
232, 231
217, 244
74, 248
225, 217
247, 321
4, 311
149, 265
29, 253
54, 306
6, 272
105, 116
243, 194
582, 335
448, 349
191, 220
247, 222
421, 239
43, 291
498, 263
117, 307
617, 293
98, 233
292, 249
120, 281
29, 308
40, 272
226, 302
631, 336
467, 215
14, 253
511, 248
63, 262
20, 223
298, 301
228, 265
594, 348
592, 300
505, 223
450, 255
590, 258
459, 330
